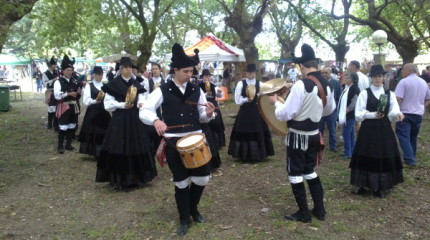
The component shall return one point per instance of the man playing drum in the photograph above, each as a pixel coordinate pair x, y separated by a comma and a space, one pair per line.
184, 108
309, 100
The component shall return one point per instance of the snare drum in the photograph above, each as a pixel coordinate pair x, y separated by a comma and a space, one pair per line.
194, 150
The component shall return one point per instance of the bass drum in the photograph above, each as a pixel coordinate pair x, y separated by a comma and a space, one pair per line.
267, 112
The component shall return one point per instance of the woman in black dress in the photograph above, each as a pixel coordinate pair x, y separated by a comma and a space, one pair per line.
376, 164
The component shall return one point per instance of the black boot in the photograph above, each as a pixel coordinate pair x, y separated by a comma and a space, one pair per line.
303, 214
182, 197
50, 119
196, 192
317, 193
60, 147
69, 136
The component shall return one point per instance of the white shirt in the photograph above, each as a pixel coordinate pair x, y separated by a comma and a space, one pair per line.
361, 113
363, 81
238, 98
45, 78
301, 105
87, 100
58, 94
111, 104
148, 114
292, 73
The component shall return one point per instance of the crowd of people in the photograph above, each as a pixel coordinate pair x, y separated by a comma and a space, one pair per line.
136, 119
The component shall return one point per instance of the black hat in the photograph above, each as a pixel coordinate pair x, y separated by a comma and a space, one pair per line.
196, 56
376, 70
307, 54
98, 70
206, 72
66, 62
53, 61
125, 61
251, 68
195, 71
171, 71
180, 59
134, 66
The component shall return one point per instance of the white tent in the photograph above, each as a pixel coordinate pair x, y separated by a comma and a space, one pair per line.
213, 49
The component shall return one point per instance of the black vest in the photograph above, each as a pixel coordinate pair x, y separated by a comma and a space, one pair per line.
50, 76
176, 110
307, 124
257, 90
68, 86
151, 84
94, 91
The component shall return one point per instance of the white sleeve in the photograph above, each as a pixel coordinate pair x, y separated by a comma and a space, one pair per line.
288, 110
361, 113
141, 97
57, 91
148, 113
394, 107
86, 99
111, 104
331, 104
202, 109
238, 94
45, 79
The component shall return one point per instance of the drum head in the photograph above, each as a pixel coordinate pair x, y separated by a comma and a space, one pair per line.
189, 140
267, 112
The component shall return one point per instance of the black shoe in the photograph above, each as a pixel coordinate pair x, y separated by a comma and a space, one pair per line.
299, 217
182, 229
199, 218
359, 191
70, 148
379, 194
318, 215
60, 149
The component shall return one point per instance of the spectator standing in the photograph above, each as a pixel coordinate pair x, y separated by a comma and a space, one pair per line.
363, 80
413, 95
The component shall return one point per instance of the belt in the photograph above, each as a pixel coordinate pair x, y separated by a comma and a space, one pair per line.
73, 102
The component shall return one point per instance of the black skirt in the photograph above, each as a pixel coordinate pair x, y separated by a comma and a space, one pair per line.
125, 158
217, 125
376, 162
94, 125
250, 139
215, 161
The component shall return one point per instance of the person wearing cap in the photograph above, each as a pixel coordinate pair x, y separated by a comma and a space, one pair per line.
96, 118
67, 93
214, 130
308, 101
125, 159
49, 77
250, 138
183, 104
376, 164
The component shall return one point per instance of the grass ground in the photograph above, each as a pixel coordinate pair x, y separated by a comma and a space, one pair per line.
44, 195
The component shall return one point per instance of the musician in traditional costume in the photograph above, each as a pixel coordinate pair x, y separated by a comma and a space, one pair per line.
376, 164
308, 100
125, 160
66, 92
49, 77
152, 84
214, 130
96, 119
250, 138
184, 107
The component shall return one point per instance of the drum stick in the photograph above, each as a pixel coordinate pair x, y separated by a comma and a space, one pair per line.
195, 103
178, 126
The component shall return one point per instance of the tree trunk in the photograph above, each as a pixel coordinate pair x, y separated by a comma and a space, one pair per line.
340, 51
408, 51
288, 47
251, 56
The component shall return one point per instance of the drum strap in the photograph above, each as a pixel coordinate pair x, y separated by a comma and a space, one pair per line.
320, 89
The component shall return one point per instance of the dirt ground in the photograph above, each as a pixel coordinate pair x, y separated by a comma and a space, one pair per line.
44, 195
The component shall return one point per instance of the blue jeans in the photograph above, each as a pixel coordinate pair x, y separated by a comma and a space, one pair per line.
39, 83
348, 137
330, 120
407, 133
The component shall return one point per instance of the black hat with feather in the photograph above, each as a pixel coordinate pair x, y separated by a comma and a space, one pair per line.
180, 59
307, 54
53, 61
67, 63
